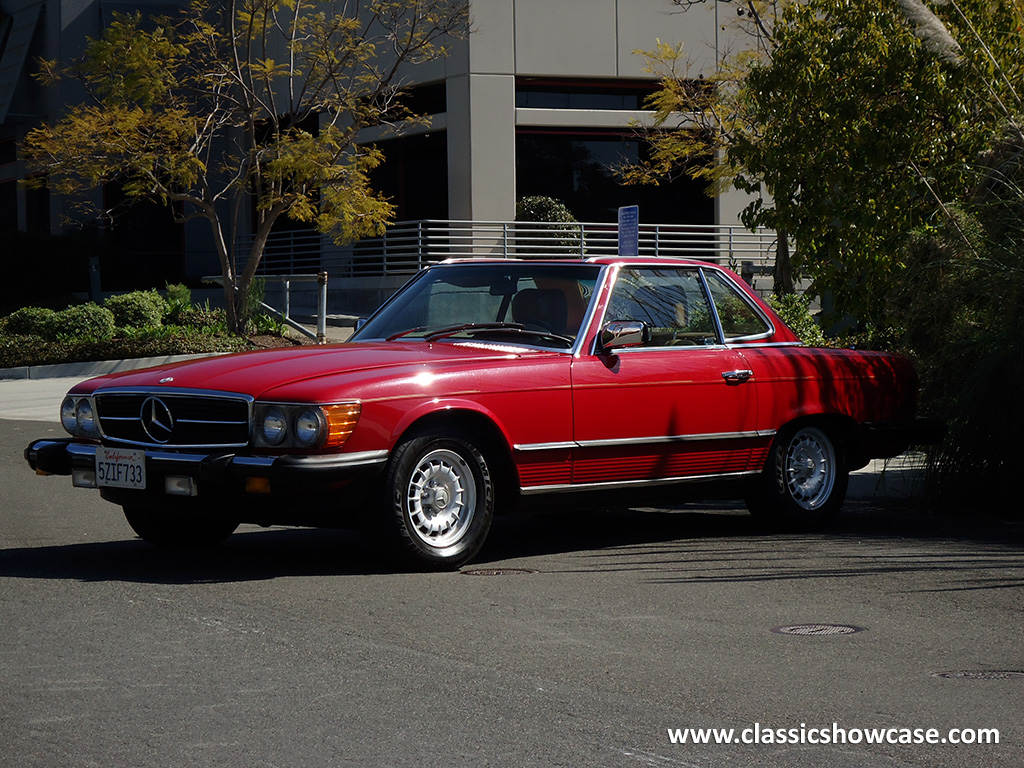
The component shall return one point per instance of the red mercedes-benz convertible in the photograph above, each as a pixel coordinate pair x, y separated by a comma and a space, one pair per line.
483, 383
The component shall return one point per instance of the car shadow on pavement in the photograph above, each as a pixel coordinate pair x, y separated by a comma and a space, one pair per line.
250, 554
689, 544
727, 545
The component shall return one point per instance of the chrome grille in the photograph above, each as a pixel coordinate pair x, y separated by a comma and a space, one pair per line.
174, 419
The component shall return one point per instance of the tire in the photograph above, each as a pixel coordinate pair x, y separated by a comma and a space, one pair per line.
438, 500
804, 481
178, 529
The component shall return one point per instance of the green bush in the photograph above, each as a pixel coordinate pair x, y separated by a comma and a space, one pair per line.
541, 208
138, 309
547, 221
795, 311
179, 298
268, 325
31, 321
89, 322
16, 350
203, 317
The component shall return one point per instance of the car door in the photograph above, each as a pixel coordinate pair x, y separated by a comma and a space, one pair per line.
678, 406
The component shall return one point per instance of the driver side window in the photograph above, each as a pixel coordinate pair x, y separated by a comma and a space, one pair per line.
671, 302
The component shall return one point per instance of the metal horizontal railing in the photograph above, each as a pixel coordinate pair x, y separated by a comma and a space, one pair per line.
408, 246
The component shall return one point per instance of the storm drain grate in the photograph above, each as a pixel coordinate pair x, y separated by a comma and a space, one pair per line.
497, 571
982, 674
816, 630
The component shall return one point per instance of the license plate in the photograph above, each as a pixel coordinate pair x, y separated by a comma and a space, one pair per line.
118, 468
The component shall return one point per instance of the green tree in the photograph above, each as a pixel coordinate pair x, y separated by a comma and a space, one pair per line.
697, 119
854, 123
245, 103
962, 307
868, 118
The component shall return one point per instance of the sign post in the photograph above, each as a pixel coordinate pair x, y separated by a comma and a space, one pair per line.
629, 231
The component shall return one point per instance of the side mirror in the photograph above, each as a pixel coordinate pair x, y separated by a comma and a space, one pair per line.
360, 322
617, 334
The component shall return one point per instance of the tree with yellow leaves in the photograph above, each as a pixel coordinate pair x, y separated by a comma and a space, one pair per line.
245, 103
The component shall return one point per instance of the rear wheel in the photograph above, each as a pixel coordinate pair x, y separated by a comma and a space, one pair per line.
804, 481
439, 500
179, 529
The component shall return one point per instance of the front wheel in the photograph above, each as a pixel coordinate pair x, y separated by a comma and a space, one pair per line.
439, 500
804, 481
179, 529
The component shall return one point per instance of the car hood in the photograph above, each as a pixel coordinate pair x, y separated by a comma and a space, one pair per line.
254, 373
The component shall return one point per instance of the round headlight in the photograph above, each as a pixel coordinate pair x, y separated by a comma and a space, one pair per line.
308, 427
85, 416
68, 417
275, 425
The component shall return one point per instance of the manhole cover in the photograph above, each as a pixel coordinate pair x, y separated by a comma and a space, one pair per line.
497, 571
817, 629
982, 674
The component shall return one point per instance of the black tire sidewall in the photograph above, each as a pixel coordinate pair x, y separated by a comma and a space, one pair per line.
771, 500
396, 516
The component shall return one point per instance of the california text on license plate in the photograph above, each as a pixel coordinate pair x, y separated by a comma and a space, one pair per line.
118, 468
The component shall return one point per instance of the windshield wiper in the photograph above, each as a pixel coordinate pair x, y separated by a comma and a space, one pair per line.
450, 330
406, 332
516, 328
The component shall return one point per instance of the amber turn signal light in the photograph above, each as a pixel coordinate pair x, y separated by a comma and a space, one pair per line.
341, 422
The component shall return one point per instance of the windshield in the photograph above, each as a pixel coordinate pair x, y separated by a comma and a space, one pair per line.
524, 303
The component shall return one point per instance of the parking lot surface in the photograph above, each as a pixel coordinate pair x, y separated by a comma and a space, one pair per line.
591, 638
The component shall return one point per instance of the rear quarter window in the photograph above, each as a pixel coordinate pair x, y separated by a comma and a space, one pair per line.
738, 316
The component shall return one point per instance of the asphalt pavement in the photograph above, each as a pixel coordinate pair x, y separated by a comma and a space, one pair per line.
597, 638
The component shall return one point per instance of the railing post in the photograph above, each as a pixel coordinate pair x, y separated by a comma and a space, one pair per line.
419, 245
321, 317
287, 299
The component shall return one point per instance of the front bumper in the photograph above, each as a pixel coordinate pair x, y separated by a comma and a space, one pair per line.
212, 474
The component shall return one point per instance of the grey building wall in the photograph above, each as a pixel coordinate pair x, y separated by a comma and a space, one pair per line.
593, 39
572, 39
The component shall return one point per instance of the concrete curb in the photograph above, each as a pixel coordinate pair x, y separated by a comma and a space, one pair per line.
902, 477
96, 368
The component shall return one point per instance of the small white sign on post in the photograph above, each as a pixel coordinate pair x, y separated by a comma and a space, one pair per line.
629, 230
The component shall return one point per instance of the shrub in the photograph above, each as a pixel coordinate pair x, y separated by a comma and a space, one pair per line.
795, 311
202, 317
550, 226
138, 309
29, 350
89, 322
268, 325
541, 208
32, 321
179, 298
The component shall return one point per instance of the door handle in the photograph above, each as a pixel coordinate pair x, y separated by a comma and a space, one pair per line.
737, 377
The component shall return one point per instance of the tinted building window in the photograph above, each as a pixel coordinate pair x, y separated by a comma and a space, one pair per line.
576, 168
414, 175
539, 93
8, 206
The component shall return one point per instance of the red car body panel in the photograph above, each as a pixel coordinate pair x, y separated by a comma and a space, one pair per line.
585, 418
864, 386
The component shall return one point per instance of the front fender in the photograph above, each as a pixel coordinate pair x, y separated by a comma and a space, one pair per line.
454, 407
